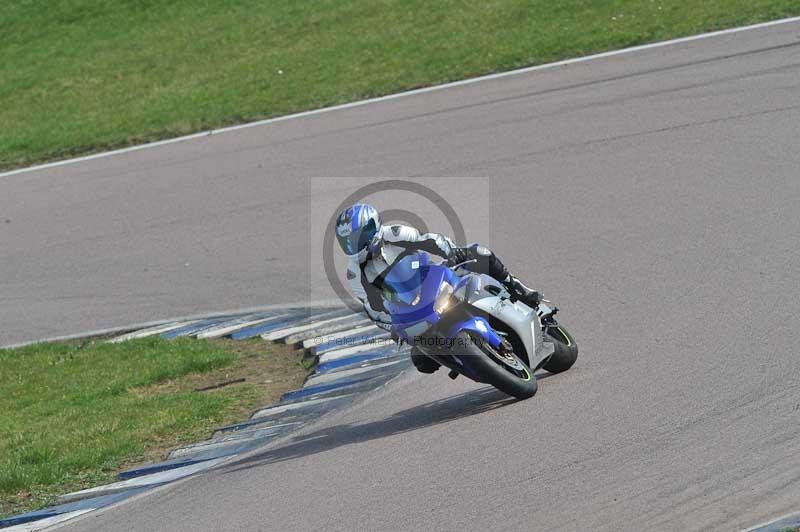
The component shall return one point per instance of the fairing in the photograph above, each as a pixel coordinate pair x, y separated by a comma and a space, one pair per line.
412, 286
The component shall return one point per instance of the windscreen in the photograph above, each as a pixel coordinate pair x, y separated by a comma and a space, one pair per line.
403, 282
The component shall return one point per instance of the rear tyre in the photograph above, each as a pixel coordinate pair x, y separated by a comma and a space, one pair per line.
505, 371
566, 350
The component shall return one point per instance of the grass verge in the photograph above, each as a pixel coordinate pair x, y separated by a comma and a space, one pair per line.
80, 76
74, 414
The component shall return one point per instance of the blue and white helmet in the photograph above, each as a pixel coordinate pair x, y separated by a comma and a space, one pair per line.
355, 228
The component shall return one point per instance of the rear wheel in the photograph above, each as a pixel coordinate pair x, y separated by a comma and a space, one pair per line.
499, 367
566, 350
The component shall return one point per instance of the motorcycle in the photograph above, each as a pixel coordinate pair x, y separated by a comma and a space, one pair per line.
469, 323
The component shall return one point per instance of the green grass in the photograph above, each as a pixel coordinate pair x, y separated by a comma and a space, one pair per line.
71, 415
78, 76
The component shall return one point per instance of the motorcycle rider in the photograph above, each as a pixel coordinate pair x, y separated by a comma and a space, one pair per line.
372, 248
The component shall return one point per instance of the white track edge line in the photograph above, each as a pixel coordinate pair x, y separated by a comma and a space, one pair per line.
413, 92
772, 521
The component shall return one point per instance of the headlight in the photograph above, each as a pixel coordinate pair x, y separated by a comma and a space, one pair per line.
444, 298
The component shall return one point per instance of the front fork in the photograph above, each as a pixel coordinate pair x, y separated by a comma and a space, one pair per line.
457, 320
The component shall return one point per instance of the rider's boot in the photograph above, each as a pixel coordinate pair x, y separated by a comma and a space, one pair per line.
487, 262
521, 292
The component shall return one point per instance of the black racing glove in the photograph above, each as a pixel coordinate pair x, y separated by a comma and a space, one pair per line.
457, 256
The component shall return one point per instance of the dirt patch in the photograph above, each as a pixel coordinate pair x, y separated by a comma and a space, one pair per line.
274, 368
261, 373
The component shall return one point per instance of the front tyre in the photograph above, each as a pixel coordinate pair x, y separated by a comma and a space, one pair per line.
566, 350
503, 370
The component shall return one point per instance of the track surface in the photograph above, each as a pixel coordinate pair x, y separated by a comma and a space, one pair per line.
663, 186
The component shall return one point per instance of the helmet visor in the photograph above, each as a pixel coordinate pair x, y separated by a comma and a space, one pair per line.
357, 240
366, 236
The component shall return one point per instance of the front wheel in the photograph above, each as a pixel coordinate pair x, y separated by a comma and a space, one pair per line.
502, 369
566, 350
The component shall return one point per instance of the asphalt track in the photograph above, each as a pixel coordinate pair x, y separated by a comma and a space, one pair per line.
653, 195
